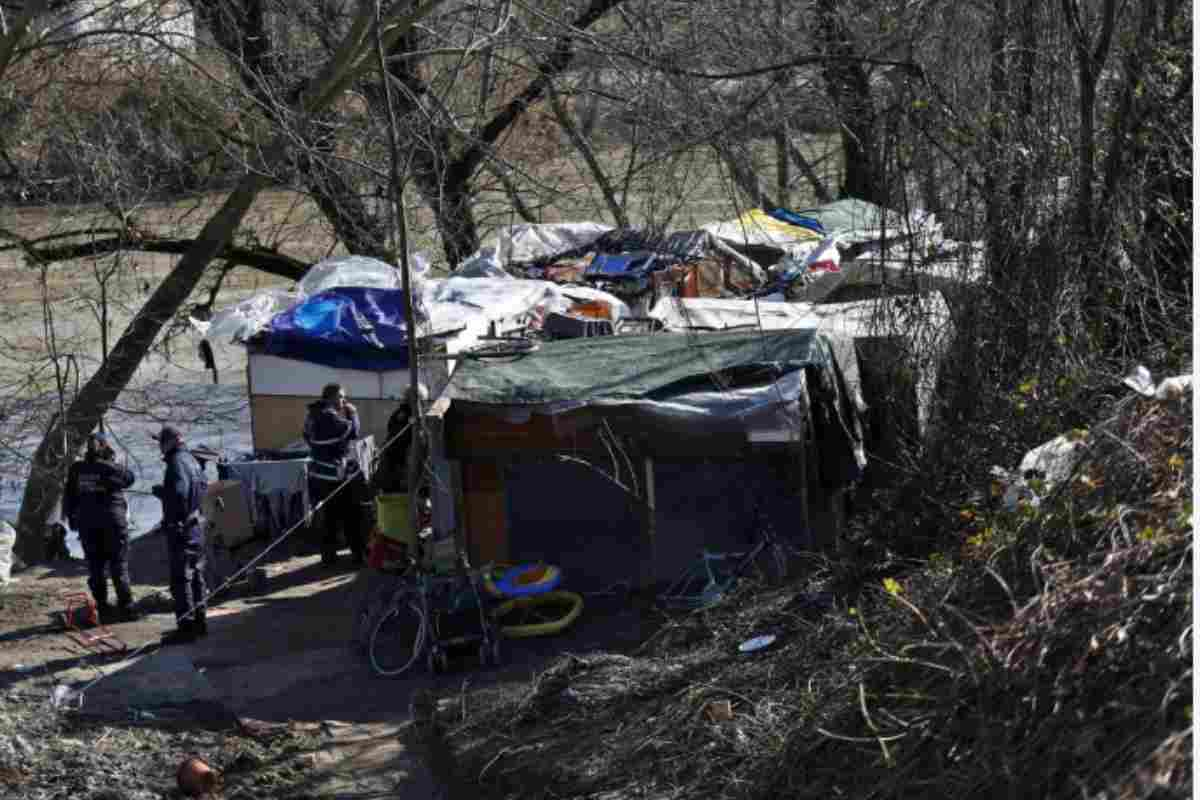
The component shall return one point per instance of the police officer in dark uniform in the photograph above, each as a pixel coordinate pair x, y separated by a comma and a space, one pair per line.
95, 506
181, 492
331, 425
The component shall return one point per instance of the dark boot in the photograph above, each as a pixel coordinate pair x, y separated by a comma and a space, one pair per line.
107, 614
185, 633
200, 625
127, 613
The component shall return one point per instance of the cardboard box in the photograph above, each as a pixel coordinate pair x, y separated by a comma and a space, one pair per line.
228, 514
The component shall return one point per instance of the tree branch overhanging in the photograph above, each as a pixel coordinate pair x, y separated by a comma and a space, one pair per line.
117, 241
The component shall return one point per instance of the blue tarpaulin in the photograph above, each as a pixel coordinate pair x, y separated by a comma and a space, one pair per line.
800, 220
346, 328
621, 265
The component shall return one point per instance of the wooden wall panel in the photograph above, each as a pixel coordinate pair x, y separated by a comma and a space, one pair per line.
277, 420
484, 523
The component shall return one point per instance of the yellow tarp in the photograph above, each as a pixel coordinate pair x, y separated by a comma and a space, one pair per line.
757, 228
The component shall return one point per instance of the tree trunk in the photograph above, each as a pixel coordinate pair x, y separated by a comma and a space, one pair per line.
44, 487
814, 180
589, 156
849, 90
445, 177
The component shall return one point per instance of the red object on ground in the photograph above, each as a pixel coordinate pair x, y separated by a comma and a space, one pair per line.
195, 777
104, 639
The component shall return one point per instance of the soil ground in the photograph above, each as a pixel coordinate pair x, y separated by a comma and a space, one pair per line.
282, 658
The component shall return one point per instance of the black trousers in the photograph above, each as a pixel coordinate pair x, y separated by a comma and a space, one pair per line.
341, 515
107, 551
185, 554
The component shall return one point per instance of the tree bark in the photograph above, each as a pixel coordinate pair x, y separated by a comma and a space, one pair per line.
442, 175
849, 90
43, 489
620, 219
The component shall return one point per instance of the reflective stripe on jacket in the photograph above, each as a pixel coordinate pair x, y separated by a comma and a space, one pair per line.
328, 435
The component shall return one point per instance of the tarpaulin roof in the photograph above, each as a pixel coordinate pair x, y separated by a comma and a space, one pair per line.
609, 368
346, 328
757, 228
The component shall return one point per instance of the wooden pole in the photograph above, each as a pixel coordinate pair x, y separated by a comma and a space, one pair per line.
649, 566
416, 452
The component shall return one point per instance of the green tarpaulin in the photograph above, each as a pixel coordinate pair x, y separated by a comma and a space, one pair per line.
631, 367
851, 216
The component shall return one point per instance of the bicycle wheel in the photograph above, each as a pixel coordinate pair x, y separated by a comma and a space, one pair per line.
398, 638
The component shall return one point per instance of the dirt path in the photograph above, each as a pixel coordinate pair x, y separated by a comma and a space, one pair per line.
280, 657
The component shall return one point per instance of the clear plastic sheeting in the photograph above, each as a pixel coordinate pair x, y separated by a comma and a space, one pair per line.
484, 264
358, 271
456, 303
765, 413
525, 243
245, 318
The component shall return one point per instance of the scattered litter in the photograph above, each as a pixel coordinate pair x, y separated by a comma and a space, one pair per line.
259, 729
63, 697
1169, 389
757, 643
719, 711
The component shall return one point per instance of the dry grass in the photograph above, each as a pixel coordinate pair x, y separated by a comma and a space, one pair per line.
48, 755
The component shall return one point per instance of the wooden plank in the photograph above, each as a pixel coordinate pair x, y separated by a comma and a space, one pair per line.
278, 420
484, 517
461, 543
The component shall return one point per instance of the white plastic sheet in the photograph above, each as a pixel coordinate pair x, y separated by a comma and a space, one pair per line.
520, 244
8, 539
462, 302
348, 271
1050, 463
1170, 388
484, 264
244, 318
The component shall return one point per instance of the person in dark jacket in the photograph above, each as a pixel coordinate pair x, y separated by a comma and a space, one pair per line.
94, 505
330, 427
181, 493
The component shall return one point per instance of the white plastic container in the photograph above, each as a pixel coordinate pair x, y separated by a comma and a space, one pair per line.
8, 539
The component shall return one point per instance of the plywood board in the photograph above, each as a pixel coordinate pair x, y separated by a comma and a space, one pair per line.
484, 527
277, 421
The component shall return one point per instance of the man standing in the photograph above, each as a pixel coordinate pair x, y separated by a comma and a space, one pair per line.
331, 425
181, 491
95, 506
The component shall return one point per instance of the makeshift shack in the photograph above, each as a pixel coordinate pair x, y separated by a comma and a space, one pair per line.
619, 458
354, 336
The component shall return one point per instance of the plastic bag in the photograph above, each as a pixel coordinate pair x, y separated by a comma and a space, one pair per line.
8, 539
339, 271
825, 258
